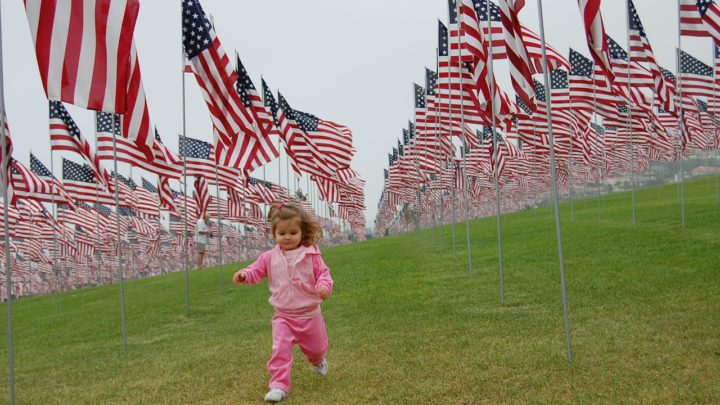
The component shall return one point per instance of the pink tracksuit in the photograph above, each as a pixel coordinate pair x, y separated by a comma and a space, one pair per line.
297, 316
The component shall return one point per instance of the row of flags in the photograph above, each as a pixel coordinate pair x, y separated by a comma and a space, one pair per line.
611, 113
90, 60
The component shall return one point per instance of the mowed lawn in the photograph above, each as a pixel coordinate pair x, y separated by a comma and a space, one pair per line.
409, 323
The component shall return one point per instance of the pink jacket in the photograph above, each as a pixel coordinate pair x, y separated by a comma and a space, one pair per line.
292, 290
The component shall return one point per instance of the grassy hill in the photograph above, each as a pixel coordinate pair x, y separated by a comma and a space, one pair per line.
409, 324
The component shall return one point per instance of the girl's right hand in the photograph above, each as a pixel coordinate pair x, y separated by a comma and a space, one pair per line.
238, 278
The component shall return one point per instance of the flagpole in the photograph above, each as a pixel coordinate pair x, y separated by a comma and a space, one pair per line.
496, 170
462, 125
117, 224
554, 186
185, 219
714, 118
56, 272
570, 177
597, 140
97, 217
133, 274
682, 124
6, 227
630, 108
217, 193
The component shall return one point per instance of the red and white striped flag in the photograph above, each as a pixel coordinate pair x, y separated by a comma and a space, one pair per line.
215, 75
136, 120
65, 135
164, 162
202, 196
165, 194
32, 186
700, 18
595, 33
83, 50
641, 51
521, 70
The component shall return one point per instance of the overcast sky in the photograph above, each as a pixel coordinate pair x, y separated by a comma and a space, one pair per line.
349, 62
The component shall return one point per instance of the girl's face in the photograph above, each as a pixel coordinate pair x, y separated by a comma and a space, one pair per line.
288, 233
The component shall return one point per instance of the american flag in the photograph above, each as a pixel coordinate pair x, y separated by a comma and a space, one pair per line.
307, 155
696, 77
215, 75
251, 99
165, 153
199, 163
529, 38
83, 50
329, 190
202, 196
148, 205
595, 34
638, 76
163, 192
521, 70
286, 132
65, 135
333, 141
257, 151
588, 86
488, 104
80, 184
700, 18
136, 120
641, 51
37, 167
261, 190
128, 151
451, 76
236, 203
263, 151
32, 186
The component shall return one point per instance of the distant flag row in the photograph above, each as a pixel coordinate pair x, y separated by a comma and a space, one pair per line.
611, 113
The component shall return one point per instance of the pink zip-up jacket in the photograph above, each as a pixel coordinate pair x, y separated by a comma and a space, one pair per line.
292, 289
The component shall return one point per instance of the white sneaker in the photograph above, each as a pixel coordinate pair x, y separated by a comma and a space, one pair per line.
321, 368
275, 395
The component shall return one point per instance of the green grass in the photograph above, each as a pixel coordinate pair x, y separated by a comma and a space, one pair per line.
409, 324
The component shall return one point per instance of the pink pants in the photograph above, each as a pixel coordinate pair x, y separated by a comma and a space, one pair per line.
309, 334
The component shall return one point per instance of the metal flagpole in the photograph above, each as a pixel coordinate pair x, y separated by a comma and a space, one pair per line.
32, 237
554, 185
437, 121
185, 219
570, 178
462, 125
682, 124
715, 118
119, 241
597, 140
56, 250
97, 219
630, 109
496, 170
437, 135
6, 227
217, 193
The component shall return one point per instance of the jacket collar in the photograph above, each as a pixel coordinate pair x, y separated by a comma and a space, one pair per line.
309, 250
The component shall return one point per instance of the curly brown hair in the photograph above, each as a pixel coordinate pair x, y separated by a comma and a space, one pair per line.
311, 229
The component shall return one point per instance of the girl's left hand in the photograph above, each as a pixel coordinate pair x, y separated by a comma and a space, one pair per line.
322, 292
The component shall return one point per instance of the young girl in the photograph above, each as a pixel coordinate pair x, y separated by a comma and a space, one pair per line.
299, 281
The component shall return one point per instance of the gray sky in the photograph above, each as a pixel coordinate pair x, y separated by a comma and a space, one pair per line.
349, 62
